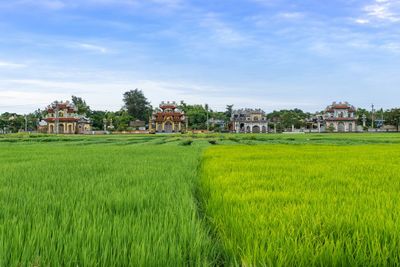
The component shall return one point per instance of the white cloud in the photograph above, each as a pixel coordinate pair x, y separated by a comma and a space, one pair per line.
291, 15
93, 48
391, 47
18, 97
47, 4
380, 11
221, 31
362, 21
11, 65
62, 4
25, 102
26, 95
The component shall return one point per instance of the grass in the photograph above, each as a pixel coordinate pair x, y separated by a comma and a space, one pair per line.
96, 205
200, 200
305, 205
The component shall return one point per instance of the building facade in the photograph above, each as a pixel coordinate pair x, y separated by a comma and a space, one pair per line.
168, 119
249, 121
340, 117
62, 118
138, 125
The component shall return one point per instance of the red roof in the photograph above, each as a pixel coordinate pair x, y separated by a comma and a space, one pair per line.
164, 116
345, 106
61, 106
62, 119
70, 110
167, 106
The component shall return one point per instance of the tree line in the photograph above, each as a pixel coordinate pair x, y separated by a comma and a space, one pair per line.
137, 107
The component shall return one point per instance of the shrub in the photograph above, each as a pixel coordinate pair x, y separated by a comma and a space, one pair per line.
213, 142
186, 142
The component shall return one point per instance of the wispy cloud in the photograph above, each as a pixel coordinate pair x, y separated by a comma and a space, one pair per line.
221, 31
391, 47
380, 11
362, 21
65, 4
92, 47
47, 4
291, 15
11, 65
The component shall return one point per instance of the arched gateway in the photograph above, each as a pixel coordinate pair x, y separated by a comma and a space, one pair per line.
256, 129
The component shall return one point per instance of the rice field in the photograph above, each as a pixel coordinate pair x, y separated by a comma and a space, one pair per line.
305, 205
64, 204
200, 200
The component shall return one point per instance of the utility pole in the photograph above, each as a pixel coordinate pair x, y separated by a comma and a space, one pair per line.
26, 123
398, 123
206, 106
57, 119
364, 119
372, 115
319, 124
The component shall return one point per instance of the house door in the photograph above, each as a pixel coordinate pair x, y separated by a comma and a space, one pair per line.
350, 127
256, 129
341, 127
168, 127
242, 127
61, 128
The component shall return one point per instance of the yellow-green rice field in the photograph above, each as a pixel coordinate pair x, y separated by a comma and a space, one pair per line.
305, 205
200, 200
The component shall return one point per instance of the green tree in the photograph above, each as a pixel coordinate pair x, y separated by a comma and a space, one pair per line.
392, 117
284, 119
83, 108
97, 117
197, 115
137, 104
331, 128
360, 113
122, 119
14, 122
228, 112
3, 123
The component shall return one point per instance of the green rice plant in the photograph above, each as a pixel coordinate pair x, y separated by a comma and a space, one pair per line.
124, 200
101, 205
186, 142
304, 205
213, 141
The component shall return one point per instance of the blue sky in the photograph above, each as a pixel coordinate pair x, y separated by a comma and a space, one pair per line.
269, 54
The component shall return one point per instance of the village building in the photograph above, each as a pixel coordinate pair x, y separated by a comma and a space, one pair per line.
315, 123
138, 125
217, 123
168, 119
249, 121
340, 117
62, 118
